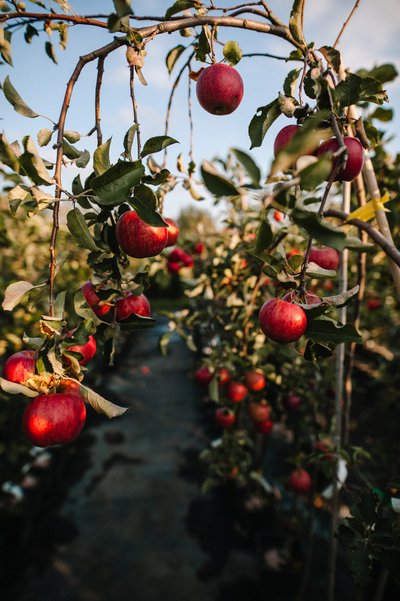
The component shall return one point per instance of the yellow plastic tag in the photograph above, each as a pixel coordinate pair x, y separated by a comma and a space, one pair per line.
368, 212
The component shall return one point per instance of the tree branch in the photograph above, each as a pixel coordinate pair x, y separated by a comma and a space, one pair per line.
346, 23
100, 71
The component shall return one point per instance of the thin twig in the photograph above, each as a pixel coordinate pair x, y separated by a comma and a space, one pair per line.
77, 20
267, 55
191, 128
134, 106
346, 23
100, 71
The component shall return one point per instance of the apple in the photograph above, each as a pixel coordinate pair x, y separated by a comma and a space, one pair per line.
88, 350
203, 375
178, 255
299, 481
225, 417
259, 412
68, 386
282, 321
255, 380
137, 238
355, 157
279, 216
235, 391
373, 304
325, 257
219, 89
292, 402
173, 232
52, 419
19, 367
223, 376
173, 267
131, 303
198, 248
93, 300
265, 426
284, 137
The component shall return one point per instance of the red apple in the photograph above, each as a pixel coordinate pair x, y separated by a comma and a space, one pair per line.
52, 419
19, 367
223, 376
69, 386
299, 482
355, 157
87, 350
174, 267
278, 216
373, 304
255, 380
198, 248
325, 257
219, 89
178, 255
282, 321
131, 303
235, 391
139, 239
259, 412
292, 402
284, 137
309, 298
89, 292
173, 232
203, 375
225, 417
265, 426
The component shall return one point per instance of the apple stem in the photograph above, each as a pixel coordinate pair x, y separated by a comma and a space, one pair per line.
134, 107
99, 80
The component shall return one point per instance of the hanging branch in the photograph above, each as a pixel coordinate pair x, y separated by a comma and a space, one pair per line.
100, 71
134, 107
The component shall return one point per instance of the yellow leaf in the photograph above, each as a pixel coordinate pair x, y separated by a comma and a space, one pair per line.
368, 212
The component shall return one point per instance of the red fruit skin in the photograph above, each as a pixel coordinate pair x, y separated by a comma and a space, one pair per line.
139, 305
198, 248
69, 386
225, 417
259, 412
355, 157
292, 402
219, 89
236, 392
284, 137
373, 304
89, 292
223, 376
173, 232
282, 321
174, 267
265, 426
327, 258
52, 419
299, 482
19, 367
310, 298
255, 380
88, 350
203, 375
139, 239
278, 216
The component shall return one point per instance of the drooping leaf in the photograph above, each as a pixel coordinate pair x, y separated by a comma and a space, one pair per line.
216, 183
296, 21
145, 204
101, 158
77, 225
100, 404
44, 136
332, 56
14, 388
179, 6
264, 236
7, 154
72, 136
114, 185
123, 7
262, 121
232, 52
313, 175
290, 83
325, 232
15, 293
83, 159
33, 164
249, 164
15, 99
5, 47
128, 141
157, 178
49, 48
203, 48
173, 56
70, 151
384, 73
381, 114
156, 144
30, 32
328, 330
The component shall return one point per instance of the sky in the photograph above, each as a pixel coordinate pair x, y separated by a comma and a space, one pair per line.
371, 38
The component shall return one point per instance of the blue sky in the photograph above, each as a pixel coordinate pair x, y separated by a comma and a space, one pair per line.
371, 38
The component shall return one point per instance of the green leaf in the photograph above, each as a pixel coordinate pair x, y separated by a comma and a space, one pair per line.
381, 114
328, 330
30, 32
216, 183
83, 159
313, 175
250, 166
341, 300
44, 136
290, 83
173, 55
145, 204
101, 158
157, 178
33, 164
371, 91
332, 56
76, 186
72, 136
7, 154
114, 185
232, 52
128, 141
203, 47
384, 73
315, 351
5, 47
16, 292
323, 231
49, 48
264, 237
78, 227
15, 99
123, 7
356, 89
14, 388
156, 144
262, 121
213, 389
164, 342
296, 21
100, 404
354, 243
70, 151
177, 7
